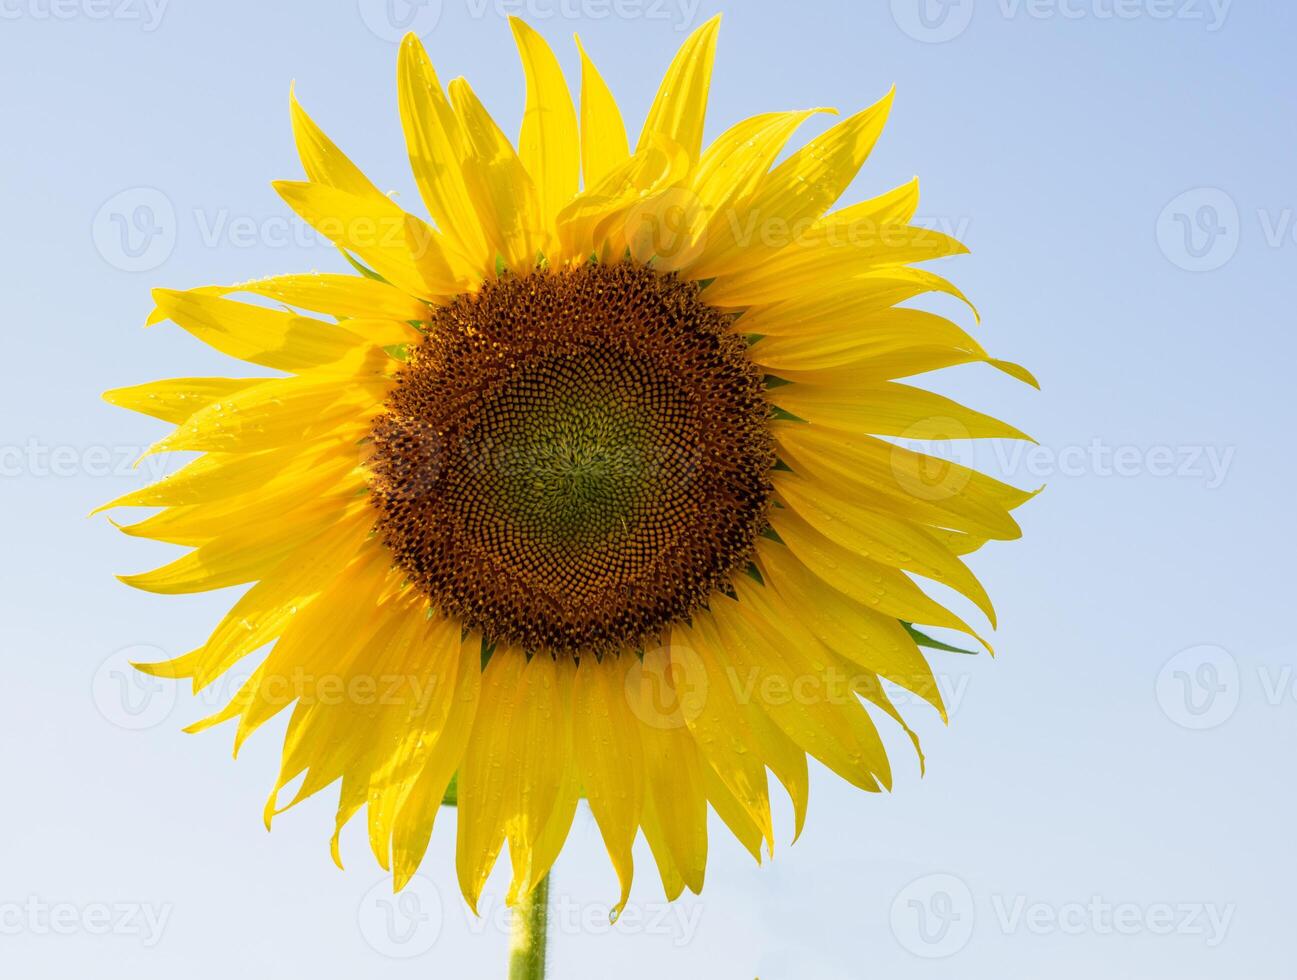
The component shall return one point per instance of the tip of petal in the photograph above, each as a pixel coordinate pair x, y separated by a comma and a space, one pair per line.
335, 850
1015, 371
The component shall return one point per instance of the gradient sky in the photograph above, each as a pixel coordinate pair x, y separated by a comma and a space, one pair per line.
1109, 799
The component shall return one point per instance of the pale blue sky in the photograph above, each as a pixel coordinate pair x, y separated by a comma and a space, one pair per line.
1112, 795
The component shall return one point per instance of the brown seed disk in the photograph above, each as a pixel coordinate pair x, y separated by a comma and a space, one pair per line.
574, 460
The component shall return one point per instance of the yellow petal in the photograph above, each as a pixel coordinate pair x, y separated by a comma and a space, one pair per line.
680, 108
790, 676
438, 152
894, 207
610, 758
398, 246
502, 190
886, 409
604, 146
805, 265
796, 192
673, 882
719, 724
889, 591
414, 821
176, 399
814, 333
733, 814
274, 413
855, 631
786, 759
730, 171
271, 338
630, 197
548, 146
542, 757
244, 554
884, 475
317, 646
672, 768
881, 536
415, 706
323, 162
217, 476
549, 842
195, 525
338, 731
336, 295
266, 609
486, 780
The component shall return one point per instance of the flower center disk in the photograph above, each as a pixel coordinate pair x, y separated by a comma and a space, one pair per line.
574, 460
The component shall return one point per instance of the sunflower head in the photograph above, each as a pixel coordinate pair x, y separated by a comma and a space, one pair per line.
573, 470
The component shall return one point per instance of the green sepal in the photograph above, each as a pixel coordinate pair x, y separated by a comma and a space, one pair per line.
452, 792
923, 640
360, 267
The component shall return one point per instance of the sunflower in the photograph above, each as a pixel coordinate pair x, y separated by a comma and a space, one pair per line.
591, 486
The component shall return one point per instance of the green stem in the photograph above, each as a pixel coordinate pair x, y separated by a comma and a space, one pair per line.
529, 934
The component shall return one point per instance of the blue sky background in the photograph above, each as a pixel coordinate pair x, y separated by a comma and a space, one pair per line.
1113, 795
